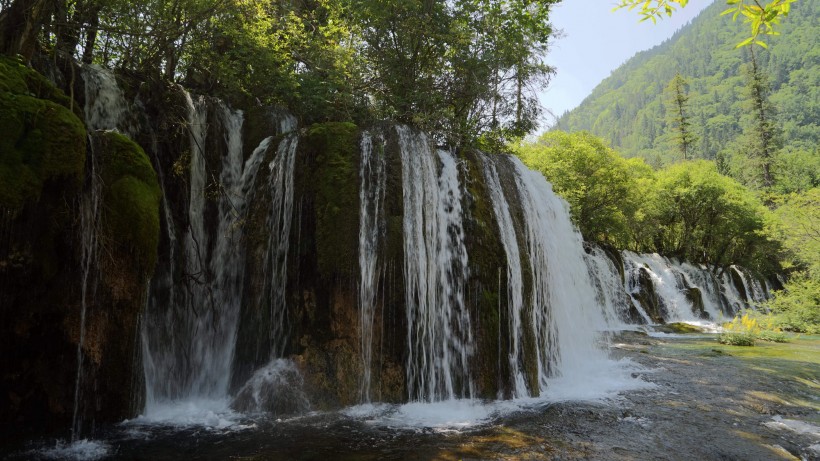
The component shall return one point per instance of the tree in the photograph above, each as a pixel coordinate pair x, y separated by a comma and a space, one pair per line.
763, 135
797, 224
677, 109
463, 70
702, 216
762, 18
603, 189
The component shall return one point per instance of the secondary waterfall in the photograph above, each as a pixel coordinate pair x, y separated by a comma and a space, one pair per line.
439, 333
515, 282
371, 227
654, 288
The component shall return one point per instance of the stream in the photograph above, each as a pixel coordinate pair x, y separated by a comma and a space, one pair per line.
686, 397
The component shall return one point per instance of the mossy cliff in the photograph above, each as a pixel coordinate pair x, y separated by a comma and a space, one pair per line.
46, 183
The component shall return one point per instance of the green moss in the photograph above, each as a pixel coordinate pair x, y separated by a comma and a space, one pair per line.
43, 140
335, 182
489, 275
679, 327
131, 197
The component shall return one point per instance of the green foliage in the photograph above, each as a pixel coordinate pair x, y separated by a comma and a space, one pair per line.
458, 69
674, 211
797, 224
604, 190
761, 18
736, 339
700, 215
42, 139
628, 108
797, 306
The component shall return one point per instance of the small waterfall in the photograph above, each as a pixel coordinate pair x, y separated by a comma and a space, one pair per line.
439, 335
706, 282
105, 108
666, 280
371, 228
515, 282
89, 229
105, 104
566, 318
609, 288
755, 291
279, 223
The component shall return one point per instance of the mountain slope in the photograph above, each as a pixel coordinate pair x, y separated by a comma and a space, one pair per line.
629, 107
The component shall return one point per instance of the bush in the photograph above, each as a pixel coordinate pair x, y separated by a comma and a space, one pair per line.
737, 339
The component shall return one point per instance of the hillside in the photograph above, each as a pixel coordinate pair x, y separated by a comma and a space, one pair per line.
628, 107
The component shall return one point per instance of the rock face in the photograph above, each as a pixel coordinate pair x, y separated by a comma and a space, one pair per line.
78, 238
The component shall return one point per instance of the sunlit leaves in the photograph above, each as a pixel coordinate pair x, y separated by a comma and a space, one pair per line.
762, 18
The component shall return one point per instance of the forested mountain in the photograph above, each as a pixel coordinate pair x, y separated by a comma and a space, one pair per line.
630, 108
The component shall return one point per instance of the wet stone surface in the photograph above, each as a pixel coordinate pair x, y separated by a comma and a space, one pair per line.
709, 402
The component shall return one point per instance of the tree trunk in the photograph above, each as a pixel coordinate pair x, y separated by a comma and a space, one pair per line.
20, 26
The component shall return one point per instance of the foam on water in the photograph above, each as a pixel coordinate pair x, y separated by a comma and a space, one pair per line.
80, 450
210, 414
600, 381
443, 415
799, 427
595, 381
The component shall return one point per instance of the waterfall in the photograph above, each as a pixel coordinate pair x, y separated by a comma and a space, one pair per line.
667, 281
755, 291
566, 318
105, 108
89, 229
439, 334
190, 335
685, 292
371, 227
609, 288
279, 223
515, 282
105, 104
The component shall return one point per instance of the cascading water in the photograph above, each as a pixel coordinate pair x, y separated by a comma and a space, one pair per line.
515, 282
668, 283
371, 224
189, 340
279, 223
105, 104
611, 295
566, 318
439, 337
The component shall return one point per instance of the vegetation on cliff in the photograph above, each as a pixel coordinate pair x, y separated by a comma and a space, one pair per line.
43, 139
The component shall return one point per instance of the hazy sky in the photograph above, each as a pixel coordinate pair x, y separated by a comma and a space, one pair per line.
595, 41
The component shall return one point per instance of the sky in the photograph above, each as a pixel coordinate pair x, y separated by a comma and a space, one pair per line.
595, 42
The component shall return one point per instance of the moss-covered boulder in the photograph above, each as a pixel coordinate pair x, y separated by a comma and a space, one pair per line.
43, 140
130, 197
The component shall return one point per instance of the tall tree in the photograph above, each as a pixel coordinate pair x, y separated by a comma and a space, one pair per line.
677, 113
763, 138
